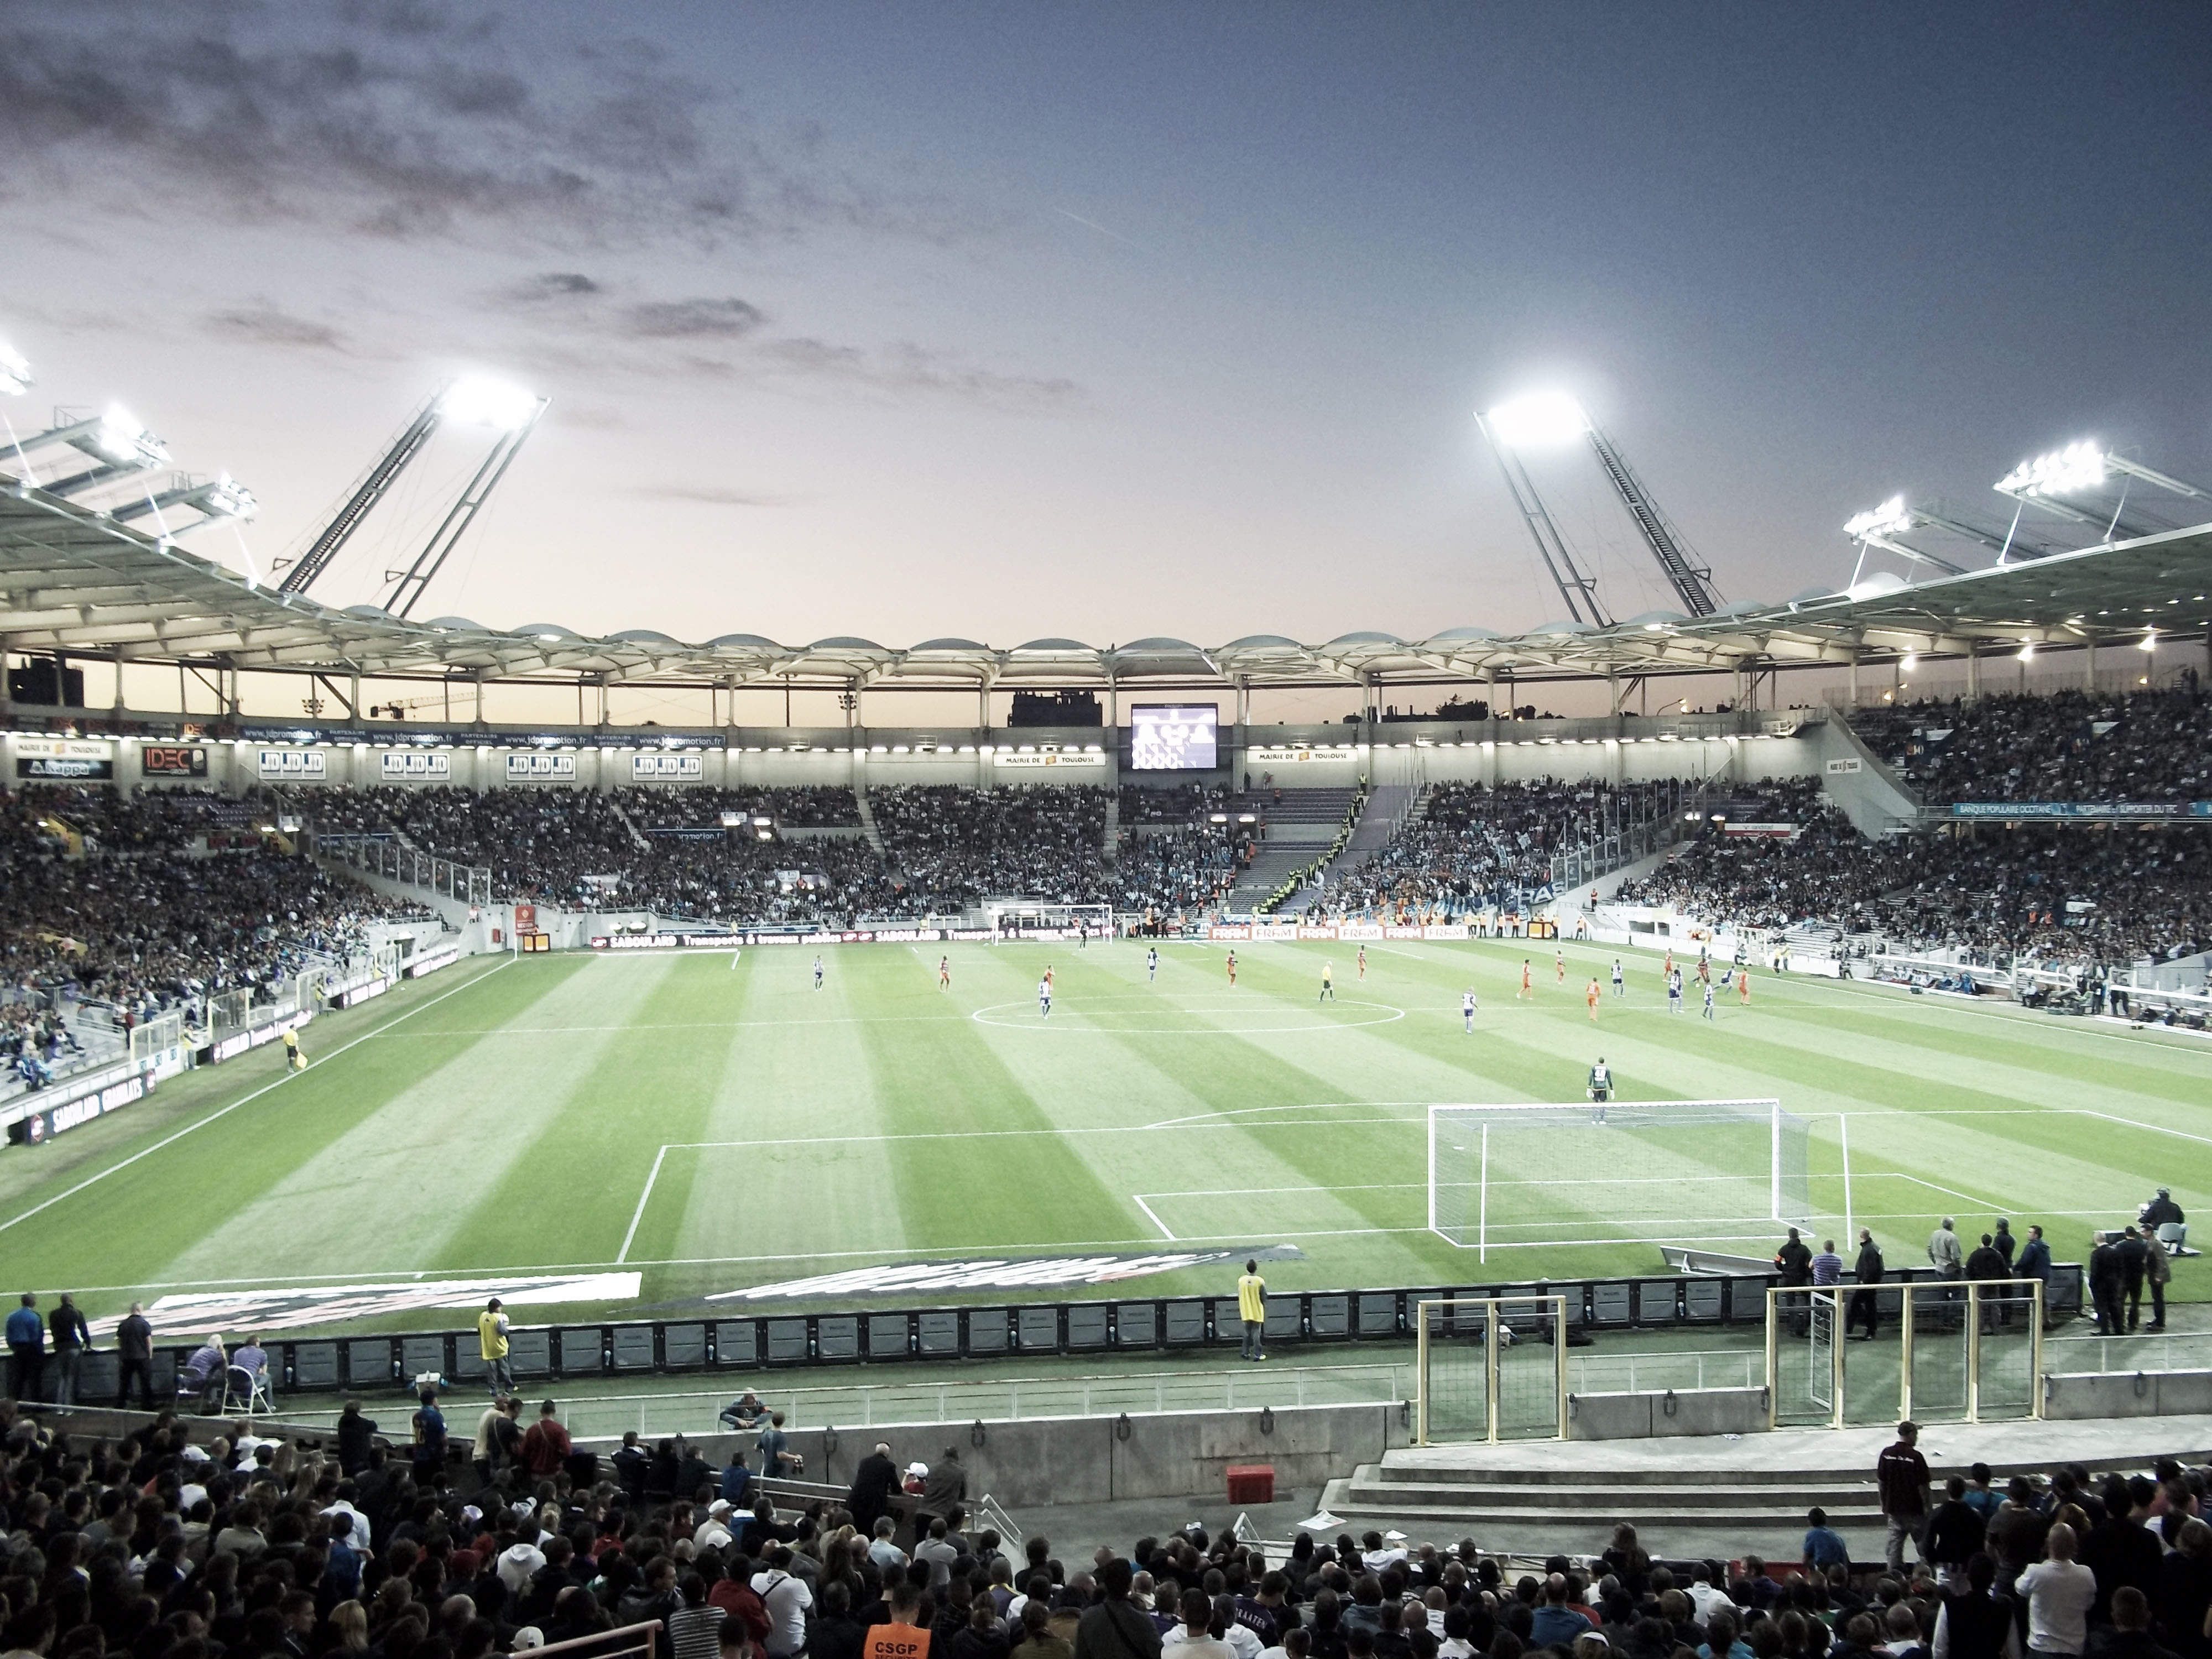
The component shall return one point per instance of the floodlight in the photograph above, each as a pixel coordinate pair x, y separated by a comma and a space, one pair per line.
2149, 639
14, 372
478, 400
2062, 472
226, 498
117, 437
1542, 420
1910, 662
2028, 651
1892, 518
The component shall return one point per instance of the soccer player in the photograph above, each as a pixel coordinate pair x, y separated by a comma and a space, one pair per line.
1362, 964
817, 973
1327, 983
1048, 975
944, 973
1674, 991
1590, 997
1601, 1089
1559, 964
1232, 969
1708, 998
293, 1057
1152, 965
1082, 932
1619, 985
1667, 967
1526, 990
1467, 1010
1044, 996
1743, 989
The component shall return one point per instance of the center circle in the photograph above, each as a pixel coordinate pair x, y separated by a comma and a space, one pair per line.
1080, 1018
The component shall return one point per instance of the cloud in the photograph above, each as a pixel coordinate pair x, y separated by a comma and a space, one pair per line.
554, 285
691, 320
709, 494
908, 368
407, 121
273, 325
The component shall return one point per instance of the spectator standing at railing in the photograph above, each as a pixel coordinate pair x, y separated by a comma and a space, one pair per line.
874, 1482
134, 1356
27, 1351
72, 1337
546, 1444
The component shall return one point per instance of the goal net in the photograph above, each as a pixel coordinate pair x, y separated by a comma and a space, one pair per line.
1037, 919
1676, 1171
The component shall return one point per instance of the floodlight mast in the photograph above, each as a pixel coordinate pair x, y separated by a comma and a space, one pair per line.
523, 413
1577, 591
374, 484
1691, 579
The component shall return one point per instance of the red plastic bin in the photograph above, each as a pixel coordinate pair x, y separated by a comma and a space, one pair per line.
1251, 1483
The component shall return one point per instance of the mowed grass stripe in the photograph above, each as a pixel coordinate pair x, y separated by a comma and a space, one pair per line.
131, 1227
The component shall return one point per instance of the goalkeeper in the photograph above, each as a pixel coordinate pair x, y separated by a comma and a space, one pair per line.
1601, 1089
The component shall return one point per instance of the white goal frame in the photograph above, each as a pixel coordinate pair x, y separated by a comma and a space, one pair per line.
1049, 914
1746, 1111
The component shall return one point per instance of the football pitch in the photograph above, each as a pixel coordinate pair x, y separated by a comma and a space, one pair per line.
715, 1123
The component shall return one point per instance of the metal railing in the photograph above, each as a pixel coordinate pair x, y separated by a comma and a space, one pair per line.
1927, 1312
1509, 1398
380, 855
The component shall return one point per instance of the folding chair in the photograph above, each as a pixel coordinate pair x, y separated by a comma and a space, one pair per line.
246, 1391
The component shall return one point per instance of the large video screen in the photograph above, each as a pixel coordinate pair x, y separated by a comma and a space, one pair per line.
1174, 736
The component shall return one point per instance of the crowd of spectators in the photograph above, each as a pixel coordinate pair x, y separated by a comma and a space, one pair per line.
1468, 847
162, 1545
2104, 893
2148, 745
122, 898
955, 846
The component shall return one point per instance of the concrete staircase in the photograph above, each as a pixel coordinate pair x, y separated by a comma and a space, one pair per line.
636, 835
875, 837
1378, 821
1111, 848
1704, 1495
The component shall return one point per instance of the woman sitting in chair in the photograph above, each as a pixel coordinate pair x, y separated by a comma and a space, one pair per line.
202, 1378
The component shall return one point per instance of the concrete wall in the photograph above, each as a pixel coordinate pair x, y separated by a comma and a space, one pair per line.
1087, 1459
1872, 796
1671, 1412
2071, 1395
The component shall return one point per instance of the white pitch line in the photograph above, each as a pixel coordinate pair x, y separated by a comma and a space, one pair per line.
2155, 1128
638, 1215
1016, 1134
1153, 1218
201, 1123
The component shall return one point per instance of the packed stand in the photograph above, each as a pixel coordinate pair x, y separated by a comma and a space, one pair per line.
691, 852
157, 900
956, 847
461, 1544
2061, 893
2148, 745
1468, 847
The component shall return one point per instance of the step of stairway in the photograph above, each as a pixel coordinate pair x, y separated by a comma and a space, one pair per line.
1601, 1496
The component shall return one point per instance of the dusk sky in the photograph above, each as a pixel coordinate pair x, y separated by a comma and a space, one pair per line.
1105, 321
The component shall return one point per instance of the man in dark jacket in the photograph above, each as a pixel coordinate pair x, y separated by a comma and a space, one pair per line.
943, 1491
2133, 1260
2108, 1279
1117, 1628
2034, 1262
1954, 1532
2119, 1549
1986, 1263
1901, 1476
134, 1352
1794, 1261
1867, 1271
874, 1482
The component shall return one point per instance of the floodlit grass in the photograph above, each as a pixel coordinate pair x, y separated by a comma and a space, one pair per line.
717, 1126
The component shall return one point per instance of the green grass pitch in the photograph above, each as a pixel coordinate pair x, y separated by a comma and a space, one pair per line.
716, 1124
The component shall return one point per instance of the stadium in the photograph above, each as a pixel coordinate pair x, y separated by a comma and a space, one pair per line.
1449, 1117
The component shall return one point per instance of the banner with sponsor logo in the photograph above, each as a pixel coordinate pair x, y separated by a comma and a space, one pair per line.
76, 758
1846, 766
1275, 930
998, 1274
1338, 754
269, 1309
652, 767
172, 760
294, 763
404, 763
44, 1125
1229, 929
1310, 930
2022, 811
1062, 762
1359, 930
1446, 930
429, 961
1770, 832
519, 767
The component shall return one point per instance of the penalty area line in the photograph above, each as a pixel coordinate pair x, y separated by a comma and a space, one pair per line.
638, 1214
1153, 1218
244, 1100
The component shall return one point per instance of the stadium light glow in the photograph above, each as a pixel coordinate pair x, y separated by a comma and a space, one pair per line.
2149, 639
16, 377
1910, 662
479, 400
226, 498
2062, 472
2028, 651
1890, 519
120, 439
1542, 420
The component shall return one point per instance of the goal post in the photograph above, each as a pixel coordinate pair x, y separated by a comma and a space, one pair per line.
1040, 919
1510, 1176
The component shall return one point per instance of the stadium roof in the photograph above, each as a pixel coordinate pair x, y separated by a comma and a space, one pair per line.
72, 579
